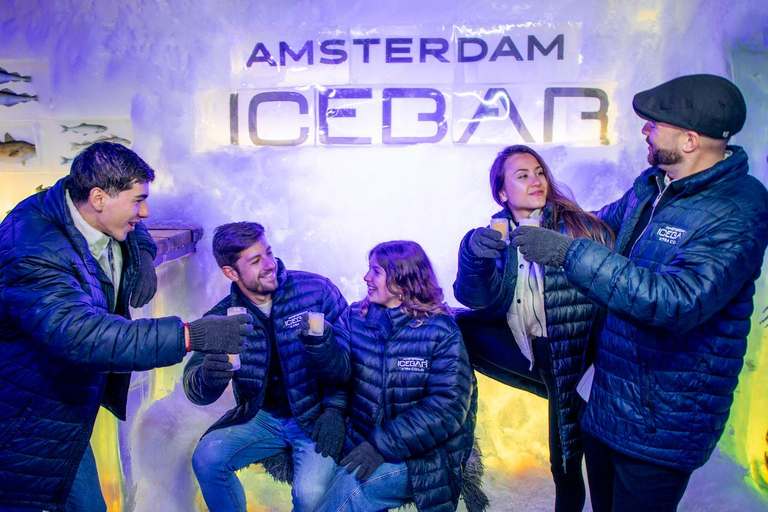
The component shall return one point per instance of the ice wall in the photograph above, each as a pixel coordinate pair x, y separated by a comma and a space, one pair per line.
151, 66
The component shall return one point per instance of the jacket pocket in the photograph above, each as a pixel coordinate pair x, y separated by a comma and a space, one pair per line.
10, 426
648, 414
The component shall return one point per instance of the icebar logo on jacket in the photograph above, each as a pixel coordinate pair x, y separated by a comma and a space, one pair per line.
413, 364
294, 320
670, 234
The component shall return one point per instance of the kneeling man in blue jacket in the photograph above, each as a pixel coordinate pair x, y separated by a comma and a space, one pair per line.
72, 260
280, 406
678, 292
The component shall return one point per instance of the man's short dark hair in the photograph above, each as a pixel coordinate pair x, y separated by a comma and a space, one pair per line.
229, 240
108, 166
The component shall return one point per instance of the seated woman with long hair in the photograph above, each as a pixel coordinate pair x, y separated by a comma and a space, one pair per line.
530, 328
412, 392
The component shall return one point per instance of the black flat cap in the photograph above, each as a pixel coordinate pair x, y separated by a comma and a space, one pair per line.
707, 104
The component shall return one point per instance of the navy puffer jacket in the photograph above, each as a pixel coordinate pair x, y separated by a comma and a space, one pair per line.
413, 395
297, 293
679, 309
488, 286
67, 347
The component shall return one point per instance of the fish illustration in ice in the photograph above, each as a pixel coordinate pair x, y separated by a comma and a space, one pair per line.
7, 76
15, 151
9, 98
84, 129
65, 160
112, 138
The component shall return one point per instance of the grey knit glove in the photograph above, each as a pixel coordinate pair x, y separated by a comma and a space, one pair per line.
220, 334
328, 433
365, 457
217, 370
486, 243
541, 245
146, 284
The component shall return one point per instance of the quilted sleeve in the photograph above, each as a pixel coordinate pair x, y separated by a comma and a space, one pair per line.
44, 294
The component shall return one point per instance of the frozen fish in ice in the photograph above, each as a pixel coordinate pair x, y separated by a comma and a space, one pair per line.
7, 76
9, 98
84, 129
112, 138
16, 151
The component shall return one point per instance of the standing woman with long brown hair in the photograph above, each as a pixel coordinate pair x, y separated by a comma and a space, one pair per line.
530, 328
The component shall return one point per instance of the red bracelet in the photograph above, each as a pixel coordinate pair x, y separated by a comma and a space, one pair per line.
187, 341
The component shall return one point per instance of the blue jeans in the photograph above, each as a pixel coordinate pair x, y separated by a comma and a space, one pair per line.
85, 495
388, 487
223, 451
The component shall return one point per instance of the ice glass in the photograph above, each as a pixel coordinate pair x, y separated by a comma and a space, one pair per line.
234, 359
316, 323
528, 222
502, 226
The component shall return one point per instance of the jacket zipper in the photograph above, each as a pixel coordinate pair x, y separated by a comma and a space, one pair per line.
651, 426
650, 219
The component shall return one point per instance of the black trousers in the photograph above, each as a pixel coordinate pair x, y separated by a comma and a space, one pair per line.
493, 350
623, 484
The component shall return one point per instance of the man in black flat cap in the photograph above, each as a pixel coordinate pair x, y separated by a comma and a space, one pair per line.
677, 294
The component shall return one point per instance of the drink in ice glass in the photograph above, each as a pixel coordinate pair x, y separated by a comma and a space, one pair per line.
502, 226
234, 359
316, 323
528, 222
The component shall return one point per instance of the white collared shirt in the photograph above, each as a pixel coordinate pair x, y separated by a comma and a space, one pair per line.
526, 317
98, 245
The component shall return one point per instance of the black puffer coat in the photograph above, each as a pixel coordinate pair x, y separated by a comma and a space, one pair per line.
66, 346
413, 395
297, 293
489, 286
679, 308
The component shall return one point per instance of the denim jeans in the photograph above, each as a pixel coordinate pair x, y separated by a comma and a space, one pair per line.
85, 495
387, 488
223, 451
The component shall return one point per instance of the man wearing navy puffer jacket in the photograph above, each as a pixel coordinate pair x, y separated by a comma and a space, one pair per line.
678, 292
280, 406
72, 260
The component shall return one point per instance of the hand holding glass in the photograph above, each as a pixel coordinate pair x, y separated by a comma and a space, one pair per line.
234, 359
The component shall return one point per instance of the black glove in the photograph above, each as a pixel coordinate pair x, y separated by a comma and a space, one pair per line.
541, 245
309, 339
217, 370
328, 433
486, 243
146, 285
220, 334
365, 457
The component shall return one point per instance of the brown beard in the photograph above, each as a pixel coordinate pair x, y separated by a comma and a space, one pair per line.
659, 156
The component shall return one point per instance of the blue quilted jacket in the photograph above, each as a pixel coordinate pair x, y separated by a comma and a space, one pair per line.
488, 286
297, 293
413, 395
679, 308
67, 347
